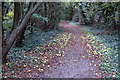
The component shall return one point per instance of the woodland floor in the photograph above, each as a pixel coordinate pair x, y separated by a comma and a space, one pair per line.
75, 52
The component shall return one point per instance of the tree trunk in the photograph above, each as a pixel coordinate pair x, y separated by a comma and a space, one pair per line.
17, 14
45, 8
21, 36
71, 11
82, 17
17, 17
1, 32
10, 40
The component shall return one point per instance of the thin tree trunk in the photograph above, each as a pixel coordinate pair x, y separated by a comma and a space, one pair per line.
45, 8
10, 40
71, 11
0, 32
7, 9
2, 20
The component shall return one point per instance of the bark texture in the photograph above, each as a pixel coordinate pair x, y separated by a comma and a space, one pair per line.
20, 28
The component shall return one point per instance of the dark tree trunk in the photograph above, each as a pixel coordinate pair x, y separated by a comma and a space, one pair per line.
17, 14
10, 40
2, 11
45, 8
71, 11
17, 17
46, 15
21, 36
0, 31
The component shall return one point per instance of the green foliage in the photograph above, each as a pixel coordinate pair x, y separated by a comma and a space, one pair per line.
106, 5
108, 49
10, 14
106, 11
8, 21
39, 17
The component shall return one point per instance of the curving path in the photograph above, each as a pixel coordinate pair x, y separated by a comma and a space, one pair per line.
74, 64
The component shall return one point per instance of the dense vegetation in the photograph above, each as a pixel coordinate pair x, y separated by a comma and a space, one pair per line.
21, 21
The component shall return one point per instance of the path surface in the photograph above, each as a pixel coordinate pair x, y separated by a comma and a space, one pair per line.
74, 65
